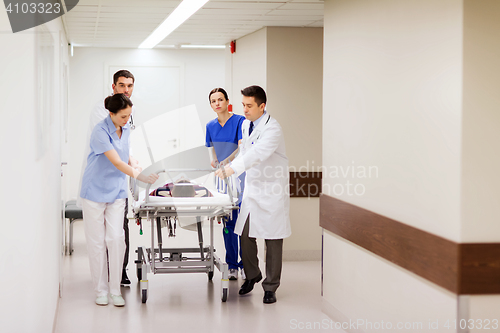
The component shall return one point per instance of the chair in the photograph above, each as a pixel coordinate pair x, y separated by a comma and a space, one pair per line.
73, 213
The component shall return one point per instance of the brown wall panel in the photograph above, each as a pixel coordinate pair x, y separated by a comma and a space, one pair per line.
305, 184
460, 268
480, 268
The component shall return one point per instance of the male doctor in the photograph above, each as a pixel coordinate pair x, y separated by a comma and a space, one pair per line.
265, 206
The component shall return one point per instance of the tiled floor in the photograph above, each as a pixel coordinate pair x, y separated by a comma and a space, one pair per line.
187, 302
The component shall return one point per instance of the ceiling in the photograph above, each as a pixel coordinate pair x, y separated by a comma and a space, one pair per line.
126, 23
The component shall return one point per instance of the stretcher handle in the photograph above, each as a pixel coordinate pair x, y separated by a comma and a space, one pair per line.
221, 166
149, 185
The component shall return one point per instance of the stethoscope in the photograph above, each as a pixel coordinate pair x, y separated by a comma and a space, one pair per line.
132, 126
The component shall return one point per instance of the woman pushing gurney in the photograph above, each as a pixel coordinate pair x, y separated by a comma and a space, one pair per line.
103, 194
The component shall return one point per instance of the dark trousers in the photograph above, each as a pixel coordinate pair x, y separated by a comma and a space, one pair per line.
127, 240
274, 258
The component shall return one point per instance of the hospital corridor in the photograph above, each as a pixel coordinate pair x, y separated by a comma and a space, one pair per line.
250, 166
187, 302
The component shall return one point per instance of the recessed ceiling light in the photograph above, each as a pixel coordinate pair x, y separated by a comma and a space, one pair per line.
189, 46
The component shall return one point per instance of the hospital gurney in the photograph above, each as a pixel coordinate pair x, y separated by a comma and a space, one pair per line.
167, 212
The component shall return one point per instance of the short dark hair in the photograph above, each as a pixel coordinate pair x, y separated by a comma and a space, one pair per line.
123, 73
117, 102
256, 92
221, 90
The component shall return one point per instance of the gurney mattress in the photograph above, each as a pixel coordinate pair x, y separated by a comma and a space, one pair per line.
218, 200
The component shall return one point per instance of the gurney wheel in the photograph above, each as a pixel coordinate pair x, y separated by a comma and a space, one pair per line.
224, 294
210, 275
139, 274
139, 263
144, 295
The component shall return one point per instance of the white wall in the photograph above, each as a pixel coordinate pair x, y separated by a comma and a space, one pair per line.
248, 66
361, 287
201, 71
30, 242
393, 100
411, 87
483, 309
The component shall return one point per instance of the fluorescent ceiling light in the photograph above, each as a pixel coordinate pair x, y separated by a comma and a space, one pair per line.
174, 20
189, 46
166, 47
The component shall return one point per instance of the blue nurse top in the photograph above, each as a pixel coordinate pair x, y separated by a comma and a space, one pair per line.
102, 181
224, 139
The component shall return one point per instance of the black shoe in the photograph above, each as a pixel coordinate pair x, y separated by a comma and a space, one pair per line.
247, 286
125, 280
269, 297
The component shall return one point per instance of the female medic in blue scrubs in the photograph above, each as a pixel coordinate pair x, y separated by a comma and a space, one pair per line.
223, 135
104, 189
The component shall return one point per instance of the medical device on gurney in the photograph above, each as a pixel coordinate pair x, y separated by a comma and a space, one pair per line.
185, 201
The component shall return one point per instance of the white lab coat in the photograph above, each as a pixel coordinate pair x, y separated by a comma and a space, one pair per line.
266, 197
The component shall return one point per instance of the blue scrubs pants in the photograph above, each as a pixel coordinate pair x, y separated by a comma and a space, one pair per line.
232, 243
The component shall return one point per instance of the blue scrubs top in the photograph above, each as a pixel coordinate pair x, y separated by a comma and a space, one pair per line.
224, 139
102, 181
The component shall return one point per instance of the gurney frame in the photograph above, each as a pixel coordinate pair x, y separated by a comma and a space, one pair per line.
201, 260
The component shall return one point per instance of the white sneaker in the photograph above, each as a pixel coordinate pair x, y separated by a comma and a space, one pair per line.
233, 274
243, 276
118, 300
101, 300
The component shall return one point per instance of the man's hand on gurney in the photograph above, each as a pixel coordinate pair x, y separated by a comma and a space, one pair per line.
148, 179
225, 172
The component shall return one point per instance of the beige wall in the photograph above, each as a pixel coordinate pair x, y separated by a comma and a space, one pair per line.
480, 209
291, 76
481, 122
294, 87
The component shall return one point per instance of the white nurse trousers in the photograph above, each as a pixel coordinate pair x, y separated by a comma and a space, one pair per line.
104, 230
